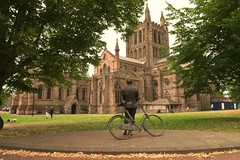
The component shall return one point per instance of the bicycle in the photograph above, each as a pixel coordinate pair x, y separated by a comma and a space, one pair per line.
152, 124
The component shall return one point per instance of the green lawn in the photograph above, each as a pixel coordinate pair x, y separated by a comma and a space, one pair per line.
225, 121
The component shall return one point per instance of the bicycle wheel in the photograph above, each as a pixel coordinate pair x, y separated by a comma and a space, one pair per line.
117, 125
153, 125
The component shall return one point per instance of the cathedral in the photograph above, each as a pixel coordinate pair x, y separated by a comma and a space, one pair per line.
145, 63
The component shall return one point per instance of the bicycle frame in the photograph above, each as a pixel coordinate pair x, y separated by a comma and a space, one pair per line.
152, 124
139, 124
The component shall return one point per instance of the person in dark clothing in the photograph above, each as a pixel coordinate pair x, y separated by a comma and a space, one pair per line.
47, 112
130, 96
51, 112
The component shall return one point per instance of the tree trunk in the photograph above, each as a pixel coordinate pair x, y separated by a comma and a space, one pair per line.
1, 123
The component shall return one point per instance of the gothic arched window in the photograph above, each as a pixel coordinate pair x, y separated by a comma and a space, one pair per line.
135, 38
60, 93
155, 36
84, 94
101, 93
77, 93
105, 69
40, 92
68, 92
140, 36
144, 52
135, 54
118, 93
140, 53
143, 35
131, 55
49, 92
167, 95
159, 37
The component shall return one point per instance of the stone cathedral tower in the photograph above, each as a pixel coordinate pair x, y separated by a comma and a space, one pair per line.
146, 44
147, 40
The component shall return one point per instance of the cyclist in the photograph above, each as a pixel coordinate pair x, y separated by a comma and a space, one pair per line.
130, 96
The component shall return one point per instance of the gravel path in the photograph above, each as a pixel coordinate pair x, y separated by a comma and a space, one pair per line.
27, 155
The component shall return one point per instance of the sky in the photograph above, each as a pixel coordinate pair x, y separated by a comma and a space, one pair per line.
155, 8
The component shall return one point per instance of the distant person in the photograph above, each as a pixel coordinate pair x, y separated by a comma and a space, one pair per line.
188, 107
51, 112
47, 112
130, 96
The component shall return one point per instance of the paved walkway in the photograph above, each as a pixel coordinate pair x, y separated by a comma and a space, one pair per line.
173, 141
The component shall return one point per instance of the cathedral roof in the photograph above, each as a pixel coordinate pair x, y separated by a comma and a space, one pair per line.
124, 72
163, 101
106, 51
132, 60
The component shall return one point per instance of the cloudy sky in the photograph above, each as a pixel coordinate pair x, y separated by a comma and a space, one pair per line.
155, 7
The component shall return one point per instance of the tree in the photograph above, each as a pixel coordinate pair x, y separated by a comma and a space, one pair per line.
234, 93
49, 40
206, 52
5, 96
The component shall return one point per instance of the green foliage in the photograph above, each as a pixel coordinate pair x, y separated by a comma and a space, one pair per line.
4, 97
224, 121
54, 39
234, 93
206, 50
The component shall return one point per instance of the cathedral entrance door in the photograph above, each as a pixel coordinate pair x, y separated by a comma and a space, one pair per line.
73, 109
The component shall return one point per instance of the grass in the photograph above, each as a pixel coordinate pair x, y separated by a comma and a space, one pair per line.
227, 121
220, 121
